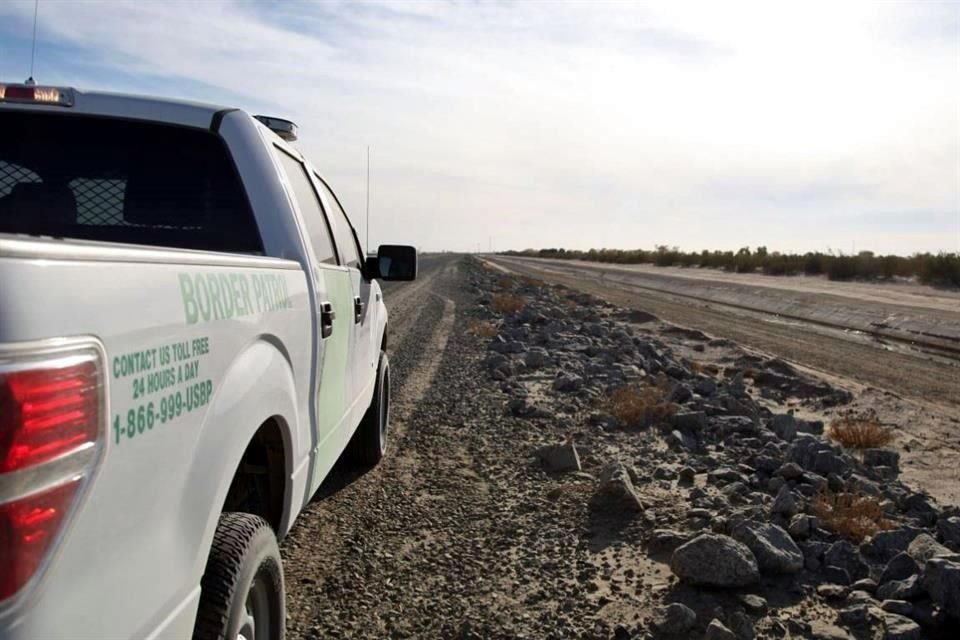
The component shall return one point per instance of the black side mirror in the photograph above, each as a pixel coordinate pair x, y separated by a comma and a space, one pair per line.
393, 262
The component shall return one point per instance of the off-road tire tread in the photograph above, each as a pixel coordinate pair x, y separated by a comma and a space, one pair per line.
365, 444
232, 538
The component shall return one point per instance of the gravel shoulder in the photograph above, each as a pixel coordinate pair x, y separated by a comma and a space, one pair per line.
468, 530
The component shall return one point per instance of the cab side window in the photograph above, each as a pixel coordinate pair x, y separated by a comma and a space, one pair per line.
306, 197
342, 231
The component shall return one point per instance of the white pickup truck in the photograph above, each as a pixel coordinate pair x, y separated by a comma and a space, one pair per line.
190, 336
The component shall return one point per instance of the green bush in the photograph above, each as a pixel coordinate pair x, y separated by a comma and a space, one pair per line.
942, 269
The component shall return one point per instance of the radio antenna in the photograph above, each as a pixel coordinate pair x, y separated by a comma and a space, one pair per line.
368, 199
33, 46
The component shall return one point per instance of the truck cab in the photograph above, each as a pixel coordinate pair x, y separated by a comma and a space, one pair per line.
190, 338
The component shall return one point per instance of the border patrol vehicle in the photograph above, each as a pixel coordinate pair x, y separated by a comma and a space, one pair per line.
190, 336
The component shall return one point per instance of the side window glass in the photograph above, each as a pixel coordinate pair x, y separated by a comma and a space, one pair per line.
342, 231
309, 206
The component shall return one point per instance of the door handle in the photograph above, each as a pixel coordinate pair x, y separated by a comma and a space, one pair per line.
327, 314
358, 307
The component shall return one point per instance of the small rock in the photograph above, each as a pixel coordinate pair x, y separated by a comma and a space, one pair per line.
906, 589
832, 591
801, 526
559, 457
790, 471
753, 603
846, 556
674, 619
822, 630
690, 420
901, 566
886, 544
616, 488
924, 547
900, 607
714, 560
881, 458
774, 549
717, 631
686, 475
897, 627
666, 540
785, 504
865, 584
785, 426
567, 383
949, 529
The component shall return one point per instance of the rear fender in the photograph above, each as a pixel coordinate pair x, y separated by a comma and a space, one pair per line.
258, 386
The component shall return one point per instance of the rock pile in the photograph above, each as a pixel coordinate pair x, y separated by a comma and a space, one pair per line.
746, 484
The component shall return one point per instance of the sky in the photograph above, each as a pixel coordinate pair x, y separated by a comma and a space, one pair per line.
703, 125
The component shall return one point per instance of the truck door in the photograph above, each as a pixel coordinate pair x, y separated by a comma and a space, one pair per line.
332, 302
364, 354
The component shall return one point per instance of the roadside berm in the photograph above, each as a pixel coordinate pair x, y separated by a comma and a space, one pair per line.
714, 509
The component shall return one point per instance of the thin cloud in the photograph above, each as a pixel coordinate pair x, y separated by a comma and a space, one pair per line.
574, 124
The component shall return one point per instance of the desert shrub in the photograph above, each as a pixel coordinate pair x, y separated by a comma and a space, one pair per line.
640, 406
506, 303
527, 281
505, 282
941, 269
483, 329
860, 432
851, 515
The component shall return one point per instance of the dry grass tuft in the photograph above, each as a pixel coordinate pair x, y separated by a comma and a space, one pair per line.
860, 432
506, 303
483, 329
851, 515
640, 406
527, 281
505, 282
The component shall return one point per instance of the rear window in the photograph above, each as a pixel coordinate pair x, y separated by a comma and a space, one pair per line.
121, 181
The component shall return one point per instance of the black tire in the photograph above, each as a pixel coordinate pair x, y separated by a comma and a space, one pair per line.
369, 442
242, 590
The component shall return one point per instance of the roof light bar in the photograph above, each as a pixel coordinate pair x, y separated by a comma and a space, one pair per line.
286, 129
29, 94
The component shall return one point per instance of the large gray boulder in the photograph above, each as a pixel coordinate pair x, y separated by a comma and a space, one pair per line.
941, 578
774, 549
714, 560
950, 530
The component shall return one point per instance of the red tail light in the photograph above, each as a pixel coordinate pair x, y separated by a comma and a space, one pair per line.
45, 413
28, 528
51, 423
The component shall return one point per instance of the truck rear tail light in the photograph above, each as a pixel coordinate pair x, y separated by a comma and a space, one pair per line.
30, 94
28, 527
52, 412
48, 412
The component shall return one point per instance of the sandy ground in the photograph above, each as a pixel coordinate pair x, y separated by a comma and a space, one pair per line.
917, 393
901, 293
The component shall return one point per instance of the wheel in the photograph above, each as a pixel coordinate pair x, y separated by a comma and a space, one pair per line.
241, 592
369, 442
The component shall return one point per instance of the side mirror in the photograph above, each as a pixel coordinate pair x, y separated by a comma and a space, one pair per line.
393, 262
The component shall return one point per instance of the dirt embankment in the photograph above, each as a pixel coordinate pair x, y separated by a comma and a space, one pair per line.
514, 504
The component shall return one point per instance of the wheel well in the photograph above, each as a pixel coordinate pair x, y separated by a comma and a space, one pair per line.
259, 483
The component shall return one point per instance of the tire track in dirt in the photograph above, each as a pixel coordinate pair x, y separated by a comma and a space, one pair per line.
421, 323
